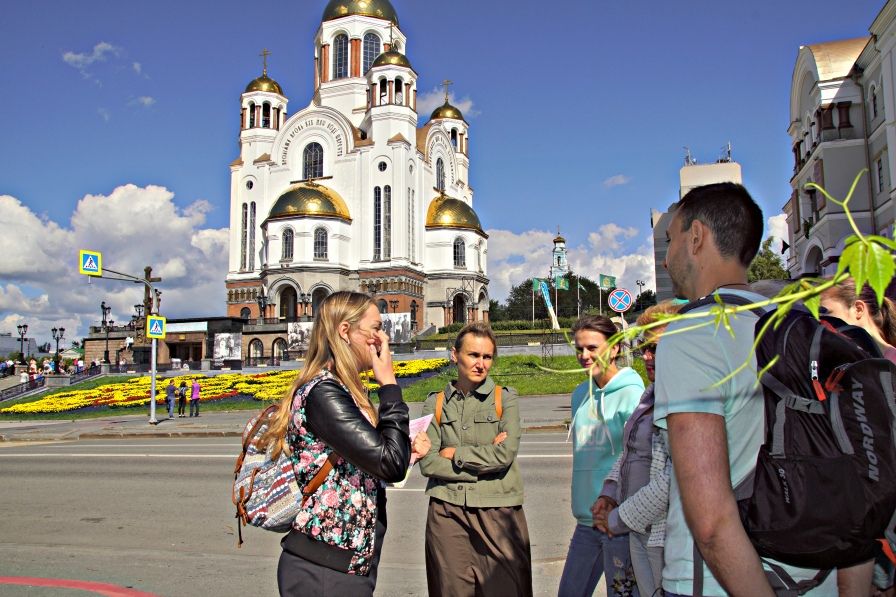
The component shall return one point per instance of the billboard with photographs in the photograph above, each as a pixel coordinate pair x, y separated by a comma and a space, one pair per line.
398, 327
298, 336
228, 347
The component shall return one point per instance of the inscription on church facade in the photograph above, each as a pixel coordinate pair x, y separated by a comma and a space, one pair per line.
322, 123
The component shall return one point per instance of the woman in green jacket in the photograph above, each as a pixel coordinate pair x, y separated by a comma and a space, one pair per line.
477, 540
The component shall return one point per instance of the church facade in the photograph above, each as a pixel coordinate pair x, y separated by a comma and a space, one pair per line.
351, 191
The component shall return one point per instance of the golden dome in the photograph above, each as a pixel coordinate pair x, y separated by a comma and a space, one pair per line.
559, 239
380, 9
264, 83
308, 199
446, 110
448, 212
392, 57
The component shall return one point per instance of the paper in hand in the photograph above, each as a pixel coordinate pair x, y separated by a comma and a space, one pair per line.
418, 425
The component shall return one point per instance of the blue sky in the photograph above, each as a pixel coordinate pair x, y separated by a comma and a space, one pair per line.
564, 101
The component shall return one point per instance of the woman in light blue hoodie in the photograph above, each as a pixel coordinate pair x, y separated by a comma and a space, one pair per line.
600, 407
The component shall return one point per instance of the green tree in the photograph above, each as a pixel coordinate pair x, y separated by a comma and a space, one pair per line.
496, 311
519, 301
767, 264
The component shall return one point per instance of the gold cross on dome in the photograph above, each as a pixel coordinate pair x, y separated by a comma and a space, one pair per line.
391, 40
264, 56
446, 84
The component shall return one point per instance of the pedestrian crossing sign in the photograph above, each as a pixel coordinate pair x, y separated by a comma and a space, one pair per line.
155, 327
90, 263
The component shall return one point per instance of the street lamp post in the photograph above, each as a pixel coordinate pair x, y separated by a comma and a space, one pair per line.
641, 284
394, 304
58, 334
305, 299
262, 301
106, 324
23, 329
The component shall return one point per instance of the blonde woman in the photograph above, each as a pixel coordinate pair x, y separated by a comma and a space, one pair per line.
335, 543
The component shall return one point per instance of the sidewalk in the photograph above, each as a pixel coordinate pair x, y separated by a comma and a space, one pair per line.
537, 413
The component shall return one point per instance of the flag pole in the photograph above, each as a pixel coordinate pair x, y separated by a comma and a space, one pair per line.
578, 300
533, 304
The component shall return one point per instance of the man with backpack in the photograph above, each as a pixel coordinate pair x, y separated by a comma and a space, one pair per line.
713, 411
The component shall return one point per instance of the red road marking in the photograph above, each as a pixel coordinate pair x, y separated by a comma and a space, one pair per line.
100, 588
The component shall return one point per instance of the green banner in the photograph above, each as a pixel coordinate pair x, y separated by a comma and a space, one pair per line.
536, 284
561, 283
606, 282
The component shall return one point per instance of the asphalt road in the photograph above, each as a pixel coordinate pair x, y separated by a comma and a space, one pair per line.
155, 515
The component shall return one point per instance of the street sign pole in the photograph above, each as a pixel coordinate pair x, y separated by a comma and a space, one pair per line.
152, 390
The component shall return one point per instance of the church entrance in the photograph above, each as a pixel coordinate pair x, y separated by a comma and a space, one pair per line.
289, 300
459, 309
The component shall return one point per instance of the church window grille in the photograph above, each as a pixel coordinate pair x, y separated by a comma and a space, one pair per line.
251, 248
384, 93
440, 175
372, 49
313, 161
245, 313
266, 115
382, 166
460, 254
387, 222
454, 138
288, 238
249, 185
377, 230
251, 115
320, 243
243, 237
340, 56
399, 95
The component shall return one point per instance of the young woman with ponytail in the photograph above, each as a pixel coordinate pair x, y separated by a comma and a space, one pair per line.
335, 543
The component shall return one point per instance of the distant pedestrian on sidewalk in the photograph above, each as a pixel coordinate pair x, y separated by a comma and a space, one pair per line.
477, 539
182, 399
600, 407
169, 398
194, 399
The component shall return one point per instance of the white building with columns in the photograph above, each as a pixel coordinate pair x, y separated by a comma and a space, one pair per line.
351, 191
842, 110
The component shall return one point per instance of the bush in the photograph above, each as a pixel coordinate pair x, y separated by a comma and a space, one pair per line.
514, 325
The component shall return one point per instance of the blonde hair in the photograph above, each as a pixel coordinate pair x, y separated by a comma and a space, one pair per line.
653, 312
326, 350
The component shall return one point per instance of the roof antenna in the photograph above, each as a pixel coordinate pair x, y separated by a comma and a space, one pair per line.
688, 159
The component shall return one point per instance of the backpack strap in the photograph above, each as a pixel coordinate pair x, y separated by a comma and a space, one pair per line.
499, 406
319, 478
440, 400
727, 298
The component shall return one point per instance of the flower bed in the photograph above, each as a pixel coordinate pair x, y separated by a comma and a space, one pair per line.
135, 392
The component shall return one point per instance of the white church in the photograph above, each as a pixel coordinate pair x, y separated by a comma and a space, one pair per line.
351, 191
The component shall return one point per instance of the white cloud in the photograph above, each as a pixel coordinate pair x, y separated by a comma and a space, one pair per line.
514, 257
138, 68
776, 226
615, 181
144, 101
133, 227
430, 100
83, 60
104, 114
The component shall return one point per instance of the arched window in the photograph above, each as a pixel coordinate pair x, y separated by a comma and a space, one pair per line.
256, 351
873, 103
245, 313
251, 115
454, 138
440, 175
279, 350
384, 92
320, 243
377, 223
317, 297
288, 237
387, 222
243, 236
251, 248
460, 254
313, 161
266, 115
399, 91
340, 56
372, 49
382, 306
459, 309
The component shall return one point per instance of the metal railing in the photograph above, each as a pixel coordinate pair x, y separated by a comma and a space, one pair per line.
85, 373
22, 388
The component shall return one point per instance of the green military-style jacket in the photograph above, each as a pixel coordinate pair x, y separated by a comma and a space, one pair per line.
481, 474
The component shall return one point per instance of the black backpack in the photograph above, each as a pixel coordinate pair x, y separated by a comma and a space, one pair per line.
824, 488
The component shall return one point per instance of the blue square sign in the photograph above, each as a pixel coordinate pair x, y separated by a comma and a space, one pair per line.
155, 327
